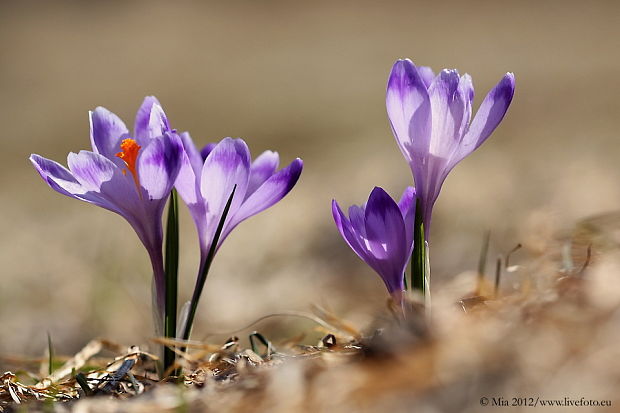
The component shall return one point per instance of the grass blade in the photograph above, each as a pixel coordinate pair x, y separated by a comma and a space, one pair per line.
200, 282
50, 353
81, 380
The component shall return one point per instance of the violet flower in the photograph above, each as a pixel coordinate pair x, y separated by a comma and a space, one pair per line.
381, 234
129, 175
206, 182
430, 118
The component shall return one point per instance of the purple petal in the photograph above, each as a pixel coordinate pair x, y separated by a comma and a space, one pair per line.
187, 182
488, 117
409, 108
99, 175
384, 225
271, 191
387, 238
158, 165
206, 150
57, 176
407, 209
427, 75
61, 180
357, 216
151, 121
349, 234
106, 132
450, 116
193, 155
226, 166
466, 92
429, 176
261, 169
91, 170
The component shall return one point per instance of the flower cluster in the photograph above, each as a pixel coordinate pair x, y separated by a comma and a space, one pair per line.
430, 119
133, 175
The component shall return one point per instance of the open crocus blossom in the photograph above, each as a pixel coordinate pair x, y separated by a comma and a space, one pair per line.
129, 175
381, 234
207, 180
430, 118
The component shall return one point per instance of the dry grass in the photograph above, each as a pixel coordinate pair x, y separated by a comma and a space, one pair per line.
550, 335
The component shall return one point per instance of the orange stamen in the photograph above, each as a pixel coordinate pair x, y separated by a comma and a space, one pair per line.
129, 155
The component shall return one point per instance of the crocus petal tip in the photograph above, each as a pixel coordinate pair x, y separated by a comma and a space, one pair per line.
298, 164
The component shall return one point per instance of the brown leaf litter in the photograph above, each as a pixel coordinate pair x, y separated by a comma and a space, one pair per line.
550, 331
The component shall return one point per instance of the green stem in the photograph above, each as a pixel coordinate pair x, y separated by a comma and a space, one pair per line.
418, 256
202, 277
172, 276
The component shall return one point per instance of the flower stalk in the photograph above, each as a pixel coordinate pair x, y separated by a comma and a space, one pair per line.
172, 276
418, 254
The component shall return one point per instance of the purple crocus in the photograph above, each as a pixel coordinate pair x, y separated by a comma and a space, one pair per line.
430, 118
129, 175
381, 233
207, 179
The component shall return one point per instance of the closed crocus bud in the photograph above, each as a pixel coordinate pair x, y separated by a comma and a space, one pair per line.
381, 234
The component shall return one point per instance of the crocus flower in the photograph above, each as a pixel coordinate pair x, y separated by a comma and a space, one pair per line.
129, 175
430, 118
381, 234
207, 179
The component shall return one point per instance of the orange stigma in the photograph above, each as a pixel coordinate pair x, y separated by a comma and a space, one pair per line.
129, 155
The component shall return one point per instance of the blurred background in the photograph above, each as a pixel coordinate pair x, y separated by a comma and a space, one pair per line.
305, 79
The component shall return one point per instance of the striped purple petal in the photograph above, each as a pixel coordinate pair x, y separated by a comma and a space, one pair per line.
158, 165
261, 169
106, 132
409, 109
227, 165
151, 121
270, 192
488, 117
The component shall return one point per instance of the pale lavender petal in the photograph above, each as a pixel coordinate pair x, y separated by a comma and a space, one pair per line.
61, 180
151, 121
270, 192
429, 176
56, 175
466, 92
488, 117
407, 206
261, 169
357, 216
206, 150
91, 170
427, 75
194, 156
226, 166
409, 109
187, 183
158, 165
449, 113
106, 132
99, 175
349, 233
